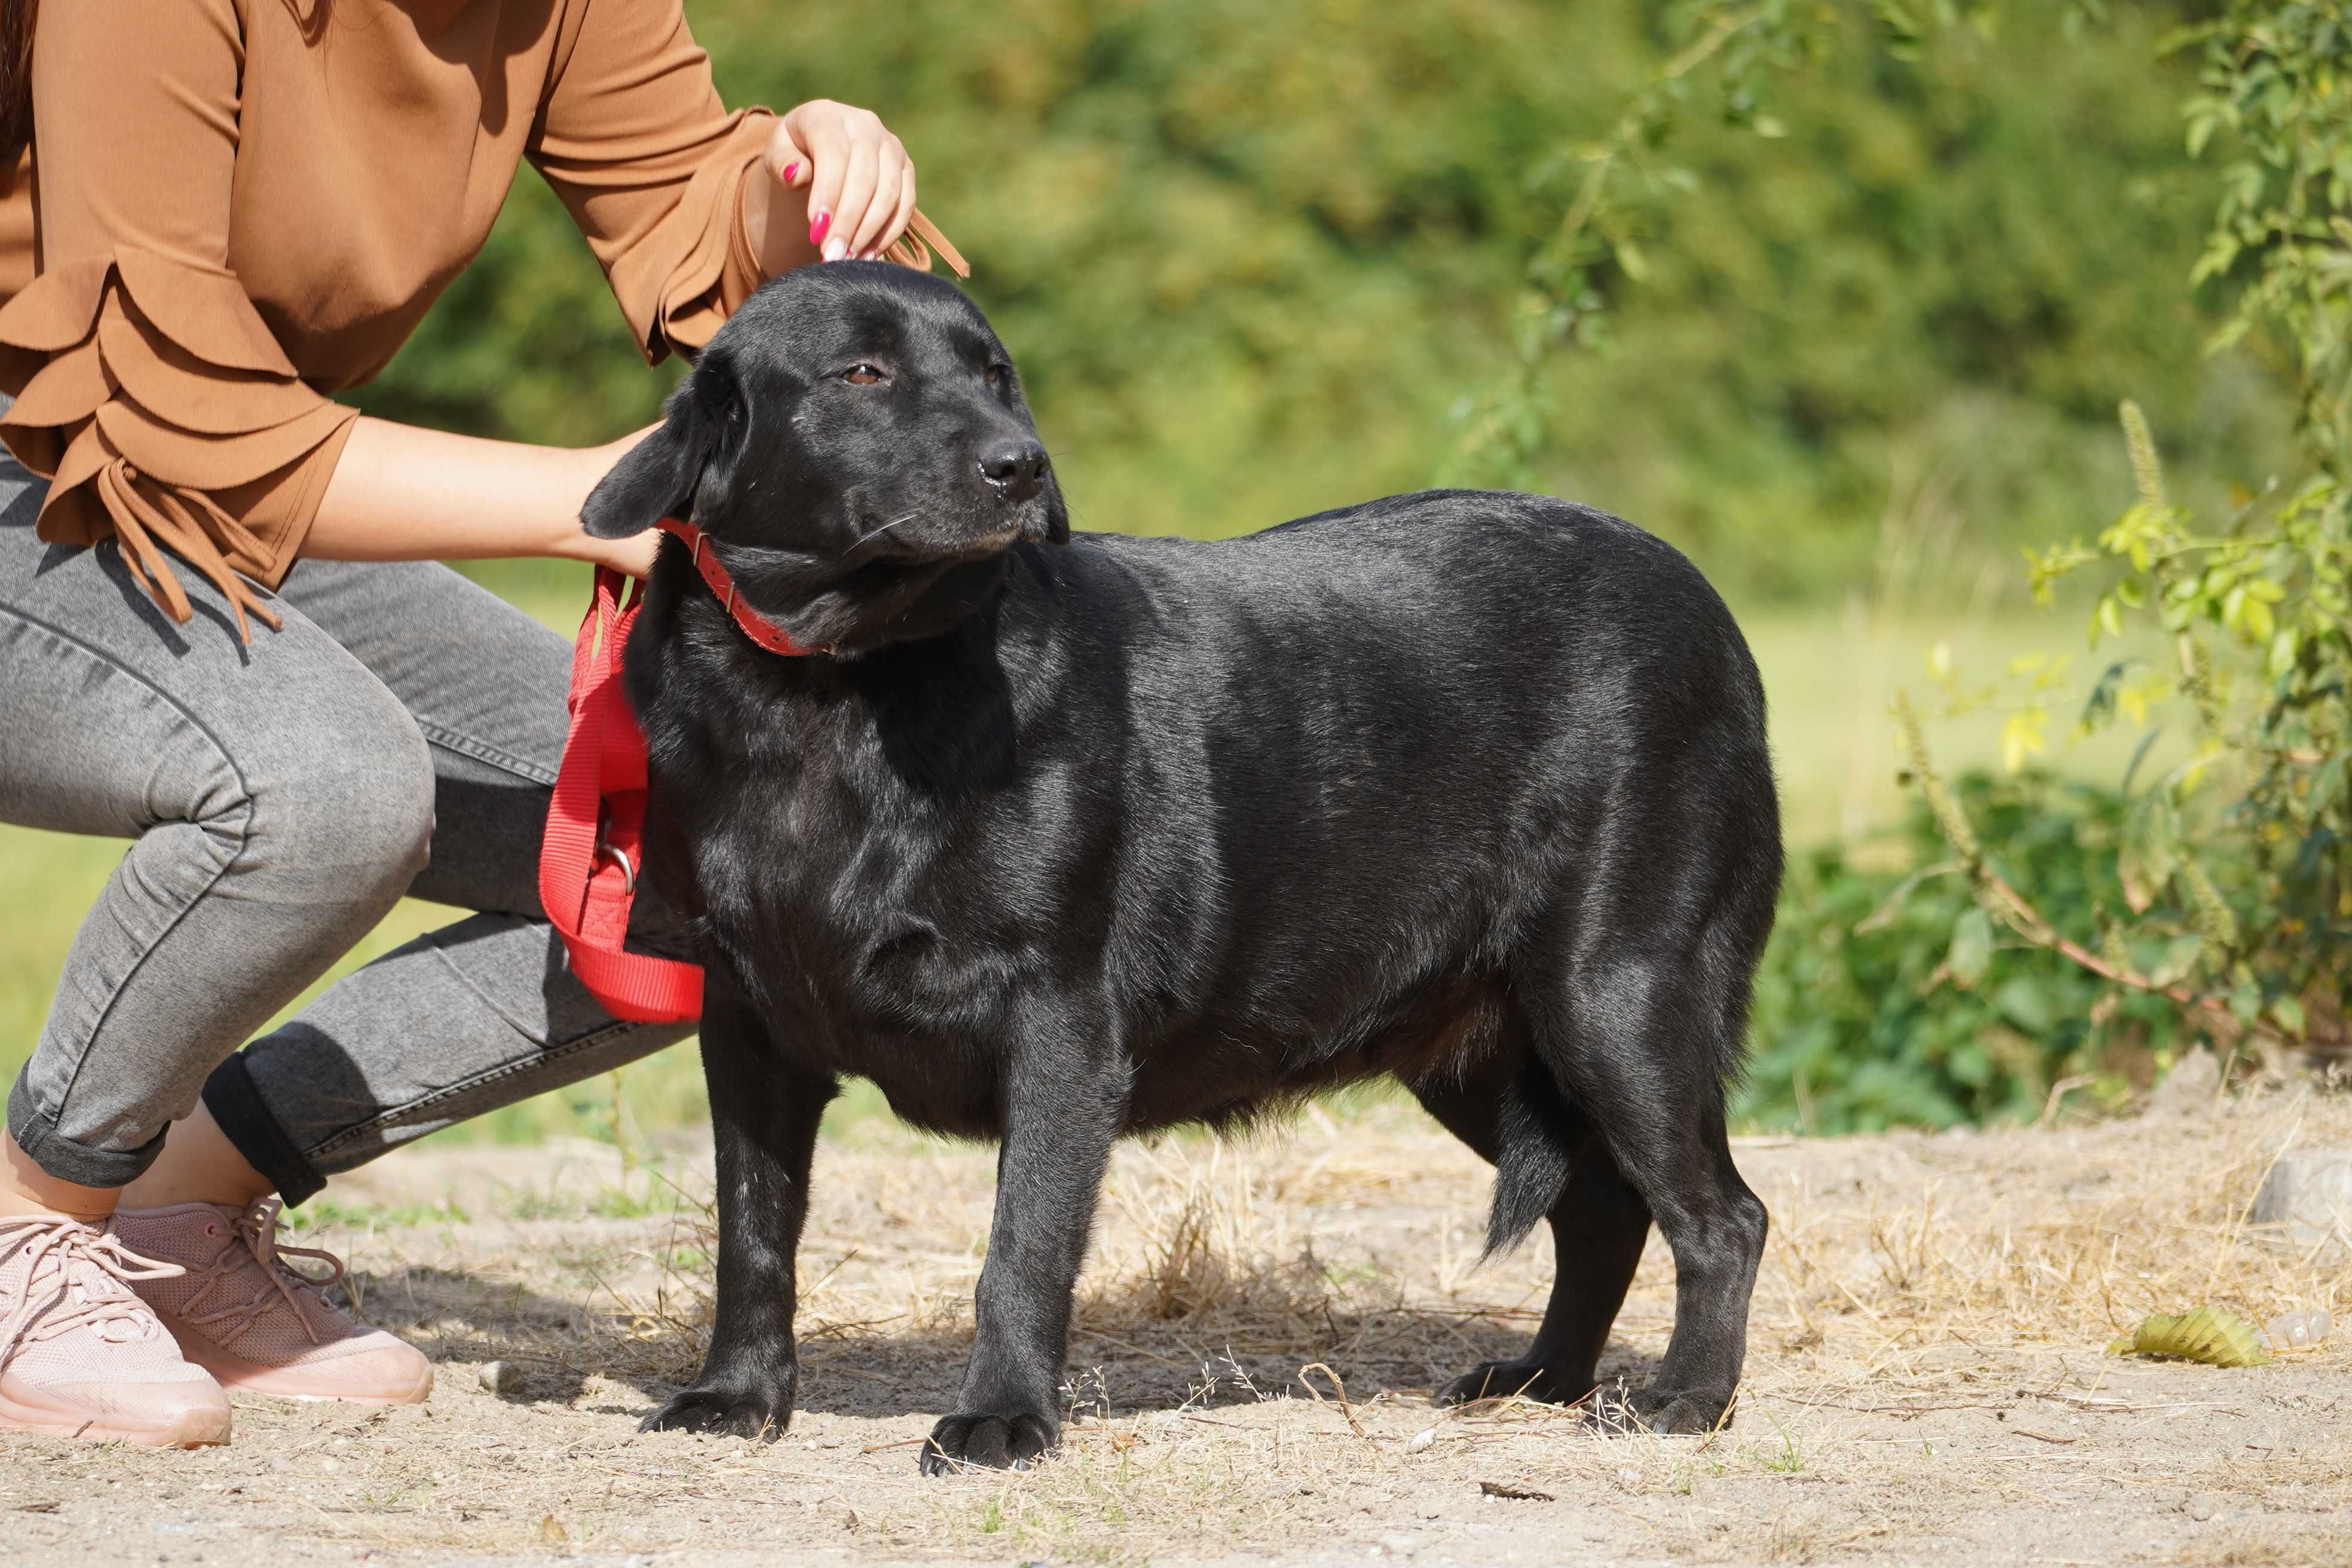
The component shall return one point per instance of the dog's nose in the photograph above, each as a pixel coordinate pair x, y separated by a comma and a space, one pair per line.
1015, 468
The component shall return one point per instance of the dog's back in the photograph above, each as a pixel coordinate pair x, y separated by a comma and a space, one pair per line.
1360, 756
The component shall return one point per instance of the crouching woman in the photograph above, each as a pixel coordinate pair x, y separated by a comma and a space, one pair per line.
223, 638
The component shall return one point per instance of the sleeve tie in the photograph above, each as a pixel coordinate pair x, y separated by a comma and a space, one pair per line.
156, 402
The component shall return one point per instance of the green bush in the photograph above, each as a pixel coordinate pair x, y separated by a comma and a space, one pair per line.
1887, 997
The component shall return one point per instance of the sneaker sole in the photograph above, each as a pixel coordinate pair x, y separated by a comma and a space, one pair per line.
189, 1429
239, 1375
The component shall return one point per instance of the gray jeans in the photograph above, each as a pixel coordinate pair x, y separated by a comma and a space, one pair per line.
399, 736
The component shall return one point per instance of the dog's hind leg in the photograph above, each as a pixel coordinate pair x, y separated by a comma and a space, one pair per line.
1642, 1034
765, 1116
1599, 1223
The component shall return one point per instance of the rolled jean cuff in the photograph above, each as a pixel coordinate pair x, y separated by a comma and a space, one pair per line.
36, 1133
237, 1106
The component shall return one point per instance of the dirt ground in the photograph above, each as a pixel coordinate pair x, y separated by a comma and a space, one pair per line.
1928, 1375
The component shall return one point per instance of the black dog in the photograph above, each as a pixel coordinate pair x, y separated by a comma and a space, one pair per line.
1081, 836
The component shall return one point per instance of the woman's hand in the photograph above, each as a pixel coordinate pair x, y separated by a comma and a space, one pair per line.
839, 171
633, 555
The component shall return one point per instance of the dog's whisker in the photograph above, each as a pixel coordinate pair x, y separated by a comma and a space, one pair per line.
886, 528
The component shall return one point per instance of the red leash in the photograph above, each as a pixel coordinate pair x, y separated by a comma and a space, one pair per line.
594, 851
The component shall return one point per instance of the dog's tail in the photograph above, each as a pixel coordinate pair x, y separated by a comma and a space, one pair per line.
1533, 1158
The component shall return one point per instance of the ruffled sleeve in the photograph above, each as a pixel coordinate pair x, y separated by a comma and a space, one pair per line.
163, 414
633, 139
148, 389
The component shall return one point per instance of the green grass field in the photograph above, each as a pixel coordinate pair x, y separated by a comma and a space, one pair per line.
1830, 675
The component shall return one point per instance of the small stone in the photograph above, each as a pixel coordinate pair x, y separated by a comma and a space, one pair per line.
501, 1378
2205, 1506
2306, 1203
596, 1386
1400, 1545
1629, 1476
2193, 1087
1419, 1441
2298, 1330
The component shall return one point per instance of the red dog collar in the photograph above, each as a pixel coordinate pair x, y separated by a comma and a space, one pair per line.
755, 625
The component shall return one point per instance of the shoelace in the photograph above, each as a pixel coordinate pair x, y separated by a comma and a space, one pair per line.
60, 1244
256, 1229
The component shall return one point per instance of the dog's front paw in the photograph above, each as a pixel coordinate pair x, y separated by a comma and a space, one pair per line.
983, 1442
1667, 1412
1504, 1379
762, 1412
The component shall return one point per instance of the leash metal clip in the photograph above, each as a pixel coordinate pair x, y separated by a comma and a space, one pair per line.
619, 857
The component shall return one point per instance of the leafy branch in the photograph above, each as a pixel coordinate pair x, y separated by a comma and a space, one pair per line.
1997, 895
2241, 857
1501, 430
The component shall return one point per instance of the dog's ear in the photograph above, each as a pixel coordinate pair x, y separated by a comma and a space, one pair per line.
661, 474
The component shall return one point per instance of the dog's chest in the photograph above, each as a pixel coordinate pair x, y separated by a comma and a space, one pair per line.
859, 909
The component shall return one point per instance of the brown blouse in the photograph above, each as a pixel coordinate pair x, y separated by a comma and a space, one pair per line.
233, 208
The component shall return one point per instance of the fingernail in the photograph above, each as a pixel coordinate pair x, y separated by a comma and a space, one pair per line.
791, 171
834, 249
817, 226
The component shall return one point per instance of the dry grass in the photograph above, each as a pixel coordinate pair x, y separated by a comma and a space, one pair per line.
1256, 1336
2136, 1223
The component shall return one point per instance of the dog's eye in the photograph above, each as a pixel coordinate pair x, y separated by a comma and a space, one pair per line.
998, 372
862, 375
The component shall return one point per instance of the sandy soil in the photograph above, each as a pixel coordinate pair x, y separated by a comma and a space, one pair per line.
1927, 1378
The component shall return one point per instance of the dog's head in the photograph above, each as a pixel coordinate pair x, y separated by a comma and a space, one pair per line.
856, 443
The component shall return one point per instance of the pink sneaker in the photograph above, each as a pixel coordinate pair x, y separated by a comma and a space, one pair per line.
255, 1322
82, 1355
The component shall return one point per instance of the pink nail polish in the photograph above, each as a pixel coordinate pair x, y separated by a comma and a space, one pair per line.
791, 172
817, 226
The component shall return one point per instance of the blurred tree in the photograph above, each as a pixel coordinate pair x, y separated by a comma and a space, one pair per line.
1251, 257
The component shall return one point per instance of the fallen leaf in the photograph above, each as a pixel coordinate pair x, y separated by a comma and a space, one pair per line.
2208, 1334
1515, 1494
